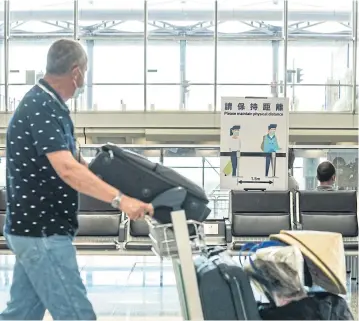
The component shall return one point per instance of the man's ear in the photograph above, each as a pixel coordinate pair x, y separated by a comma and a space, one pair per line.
75, 72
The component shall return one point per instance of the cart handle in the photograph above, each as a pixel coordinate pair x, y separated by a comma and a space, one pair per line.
172, 198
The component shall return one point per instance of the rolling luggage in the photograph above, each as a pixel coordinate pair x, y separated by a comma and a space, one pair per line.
140, 178
224, 288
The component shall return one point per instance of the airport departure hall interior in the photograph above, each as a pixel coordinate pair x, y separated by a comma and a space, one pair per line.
183, 87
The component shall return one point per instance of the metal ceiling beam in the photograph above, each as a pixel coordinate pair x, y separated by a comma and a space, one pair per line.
200, 25
202, 29
103, 25
256, 26
179, 15
160, 25
346, 24
106, 26
13, 24
163, 35
165, 25
304, 25
62, 25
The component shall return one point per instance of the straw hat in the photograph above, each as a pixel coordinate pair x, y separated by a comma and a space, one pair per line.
324, 254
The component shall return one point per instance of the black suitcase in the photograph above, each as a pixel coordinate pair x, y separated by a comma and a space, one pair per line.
140, 178
224, 288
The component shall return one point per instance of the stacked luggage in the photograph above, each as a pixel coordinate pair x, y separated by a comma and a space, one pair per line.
211, 284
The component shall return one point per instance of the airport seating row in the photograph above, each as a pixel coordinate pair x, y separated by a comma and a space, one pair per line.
99, 224
256, 215
253, 216
259, 214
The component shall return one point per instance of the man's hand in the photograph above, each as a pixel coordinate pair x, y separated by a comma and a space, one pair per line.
134, 208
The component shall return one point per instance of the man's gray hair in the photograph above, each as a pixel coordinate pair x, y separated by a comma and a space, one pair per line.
63, 55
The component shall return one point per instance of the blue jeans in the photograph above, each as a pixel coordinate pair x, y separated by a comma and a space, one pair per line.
46, 277
234, 161
268, 162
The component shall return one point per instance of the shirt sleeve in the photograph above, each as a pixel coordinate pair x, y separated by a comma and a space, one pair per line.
46, 130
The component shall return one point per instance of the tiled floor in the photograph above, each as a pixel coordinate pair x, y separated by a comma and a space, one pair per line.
126, 287
122, 288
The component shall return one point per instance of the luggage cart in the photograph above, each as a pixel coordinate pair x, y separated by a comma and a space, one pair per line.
179, 241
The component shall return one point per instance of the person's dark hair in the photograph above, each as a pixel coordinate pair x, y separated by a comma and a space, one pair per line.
325, 171
236, 127
291, 158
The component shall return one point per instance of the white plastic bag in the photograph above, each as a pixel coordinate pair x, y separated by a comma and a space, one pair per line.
279, 271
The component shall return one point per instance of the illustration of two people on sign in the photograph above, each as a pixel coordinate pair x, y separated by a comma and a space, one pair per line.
270, 145
235, 151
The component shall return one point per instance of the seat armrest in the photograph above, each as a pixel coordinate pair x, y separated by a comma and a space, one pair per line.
123, 231
228, 231
297, 226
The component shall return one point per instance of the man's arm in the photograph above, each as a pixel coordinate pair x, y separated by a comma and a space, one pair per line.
83, 162
51, 142
80, 178
276, 144
81, 159
263, 141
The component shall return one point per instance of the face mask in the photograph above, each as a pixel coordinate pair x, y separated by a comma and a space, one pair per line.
79, 90
236, 134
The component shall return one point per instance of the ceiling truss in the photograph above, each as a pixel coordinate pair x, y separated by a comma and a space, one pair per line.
202, 29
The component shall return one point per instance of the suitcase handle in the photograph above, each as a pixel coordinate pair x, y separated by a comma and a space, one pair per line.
235, 290
213, 251
172, 198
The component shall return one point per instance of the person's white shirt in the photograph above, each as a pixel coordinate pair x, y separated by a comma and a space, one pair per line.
234, 144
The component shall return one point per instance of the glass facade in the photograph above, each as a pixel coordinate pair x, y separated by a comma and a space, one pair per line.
201, 164
185, 55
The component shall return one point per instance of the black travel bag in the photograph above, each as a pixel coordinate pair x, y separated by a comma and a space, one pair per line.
140, 178
224, 288
317, 306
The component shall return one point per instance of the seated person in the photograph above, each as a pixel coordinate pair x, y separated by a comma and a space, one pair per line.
326, 176
292, 182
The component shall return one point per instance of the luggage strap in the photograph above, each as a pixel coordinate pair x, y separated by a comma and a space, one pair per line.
252, 248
